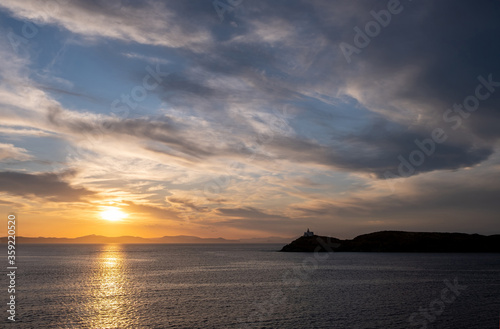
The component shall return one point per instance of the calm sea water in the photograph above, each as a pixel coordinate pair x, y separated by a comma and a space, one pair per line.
251, 286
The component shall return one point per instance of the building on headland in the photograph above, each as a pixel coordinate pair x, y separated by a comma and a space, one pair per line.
308, 233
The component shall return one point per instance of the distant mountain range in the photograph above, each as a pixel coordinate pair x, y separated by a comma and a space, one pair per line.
399, 241
384, 241
100, 239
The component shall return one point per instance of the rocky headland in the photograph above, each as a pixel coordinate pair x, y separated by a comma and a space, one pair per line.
398, 241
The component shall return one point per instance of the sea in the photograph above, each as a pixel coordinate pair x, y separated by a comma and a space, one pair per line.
249, 286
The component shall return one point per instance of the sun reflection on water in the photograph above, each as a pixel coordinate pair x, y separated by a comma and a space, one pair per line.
108, 305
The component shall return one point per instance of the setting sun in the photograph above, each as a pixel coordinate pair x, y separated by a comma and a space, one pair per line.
113, 214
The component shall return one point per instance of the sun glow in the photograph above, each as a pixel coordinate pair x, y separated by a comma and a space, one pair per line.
113, 214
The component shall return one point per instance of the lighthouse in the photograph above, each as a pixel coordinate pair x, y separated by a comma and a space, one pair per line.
308, 233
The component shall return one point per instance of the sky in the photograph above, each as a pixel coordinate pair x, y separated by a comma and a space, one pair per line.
238, 118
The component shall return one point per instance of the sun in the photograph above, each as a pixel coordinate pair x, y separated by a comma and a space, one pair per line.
113, 214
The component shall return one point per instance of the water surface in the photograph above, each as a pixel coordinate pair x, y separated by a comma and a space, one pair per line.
250, 286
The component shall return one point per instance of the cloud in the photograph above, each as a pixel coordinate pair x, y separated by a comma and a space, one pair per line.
50, 186
155, 212
152, 23
247, 212
157, 134
148, 59
10, 152
13, 132
2, 202
188, 203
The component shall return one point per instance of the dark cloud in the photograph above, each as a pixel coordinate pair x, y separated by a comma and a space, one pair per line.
381, 147
50, 186
447, 45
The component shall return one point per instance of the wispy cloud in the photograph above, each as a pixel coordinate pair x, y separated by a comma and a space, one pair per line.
151, 23
10, 152
149, 59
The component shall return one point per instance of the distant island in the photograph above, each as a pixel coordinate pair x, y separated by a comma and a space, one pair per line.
100, 239
397, 241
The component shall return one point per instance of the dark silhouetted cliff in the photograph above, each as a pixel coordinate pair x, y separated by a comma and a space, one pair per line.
398, 241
